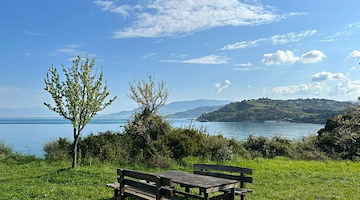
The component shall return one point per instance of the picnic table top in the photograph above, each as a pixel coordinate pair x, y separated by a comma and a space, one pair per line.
209, 183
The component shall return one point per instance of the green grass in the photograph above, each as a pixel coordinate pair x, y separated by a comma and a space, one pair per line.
279, 178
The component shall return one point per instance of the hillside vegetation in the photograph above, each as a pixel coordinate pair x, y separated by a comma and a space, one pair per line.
265, 109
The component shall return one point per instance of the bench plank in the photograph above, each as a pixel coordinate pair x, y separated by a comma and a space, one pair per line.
242, 170
246, 179
142, 185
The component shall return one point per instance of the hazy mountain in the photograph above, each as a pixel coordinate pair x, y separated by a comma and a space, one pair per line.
197, 112
27, 112
169, 109
179, 106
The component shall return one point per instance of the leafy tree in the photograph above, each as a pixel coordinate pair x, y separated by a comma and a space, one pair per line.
79, 98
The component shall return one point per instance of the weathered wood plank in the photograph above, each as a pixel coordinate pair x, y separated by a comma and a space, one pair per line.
140, 175
143, 186
227, 176
223, 168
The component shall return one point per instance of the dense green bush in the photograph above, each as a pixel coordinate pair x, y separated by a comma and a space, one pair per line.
59, 149
269, 148
341, 137
219, 148
307, 148
183, 142
145, 133
105, 146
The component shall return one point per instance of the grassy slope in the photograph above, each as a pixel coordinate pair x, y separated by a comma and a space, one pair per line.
278, 178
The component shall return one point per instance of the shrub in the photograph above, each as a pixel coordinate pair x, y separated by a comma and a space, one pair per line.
105, 146
143, 131
59, 149
217, 148
269, 148
307, 148
5, 150
341, 137
183, 142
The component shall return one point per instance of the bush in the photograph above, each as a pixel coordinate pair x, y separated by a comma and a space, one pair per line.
143, 131
59, 149
307, 148
5, 150
341, 137
217, 148
183, 142
270, 148
105, 146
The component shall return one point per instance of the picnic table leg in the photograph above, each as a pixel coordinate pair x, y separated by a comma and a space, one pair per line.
206, 196
116, 194
232, 194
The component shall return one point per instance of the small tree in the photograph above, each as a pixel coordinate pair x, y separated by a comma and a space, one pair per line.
147, 125
79, 98
149, 95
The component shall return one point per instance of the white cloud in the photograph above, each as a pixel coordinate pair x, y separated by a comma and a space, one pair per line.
312, 56
276, 39
247, 68
178, 17
346, 31
211, 59
280, 57
288, 57
348, 87
121, 10
354, 54
300, 89
220, 87
32, 33
323, 76
72, 50
67, 51
244, 64
150, 55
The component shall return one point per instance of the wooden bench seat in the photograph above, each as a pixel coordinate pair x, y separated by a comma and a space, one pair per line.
141, 185
228, 172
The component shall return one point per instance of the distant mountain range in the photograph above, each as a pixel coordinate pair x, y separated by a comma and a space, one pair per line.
265, 109
181, 109
27, 112
195, 113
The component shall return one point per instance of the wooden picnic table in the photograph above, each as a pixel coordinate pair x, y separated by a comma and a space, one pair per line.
206, 184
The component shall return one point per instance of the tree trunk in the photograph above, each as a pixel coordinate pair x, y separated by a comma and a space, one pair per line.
75, 147
74, 156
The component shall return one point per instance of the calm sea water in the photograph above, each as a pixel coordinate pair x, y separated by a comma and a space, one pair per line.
28, 135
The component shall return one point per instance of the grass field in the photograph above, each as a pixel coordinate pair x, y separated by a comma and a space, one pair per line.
23, 177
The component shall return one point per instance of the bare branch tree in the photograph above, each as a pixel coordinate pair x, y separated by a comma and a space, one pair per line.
150, 96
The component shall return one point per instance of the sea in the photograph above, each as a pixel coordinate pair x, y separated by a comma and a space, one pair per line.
28, 135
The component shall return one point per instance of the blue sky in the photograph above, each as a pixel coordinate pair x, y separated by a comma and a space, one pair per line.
202, 49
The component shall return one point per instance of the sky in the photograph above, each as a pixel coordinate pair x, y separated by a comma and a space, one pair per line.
202, 49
